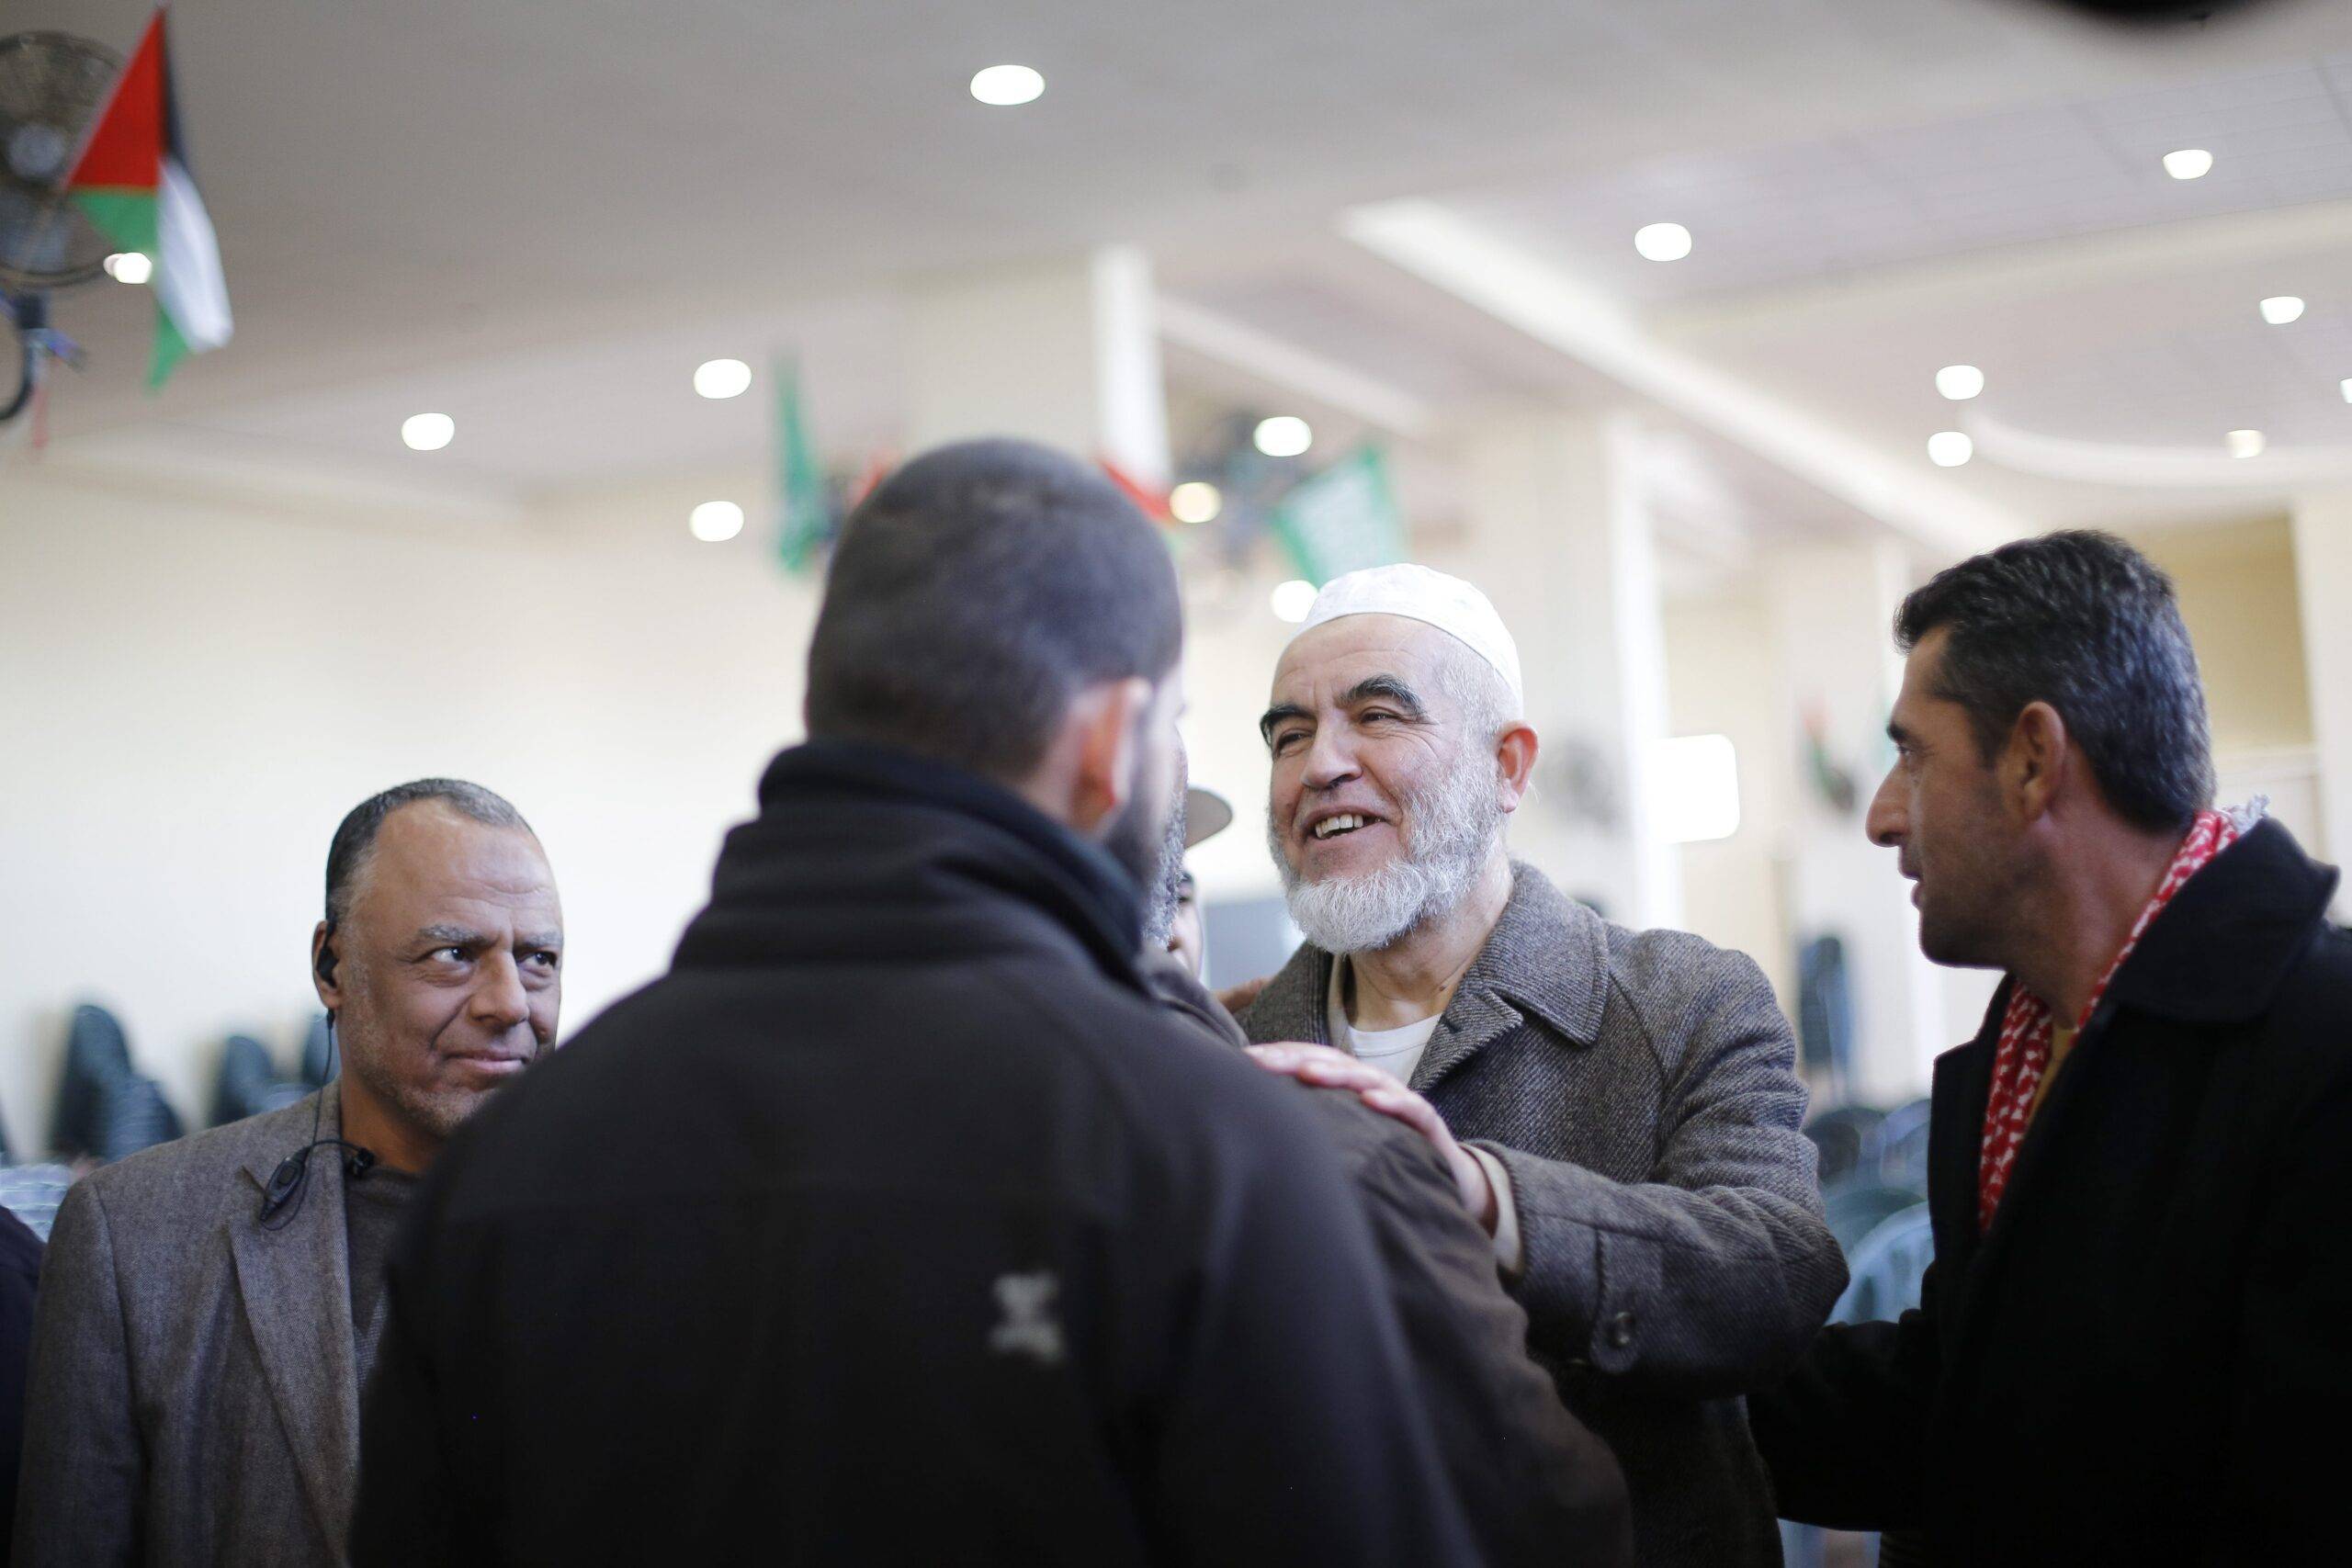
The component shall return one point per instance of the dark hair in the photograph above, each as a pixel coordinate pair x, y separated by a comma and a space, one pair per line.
977, 590
347, 853
2084, 622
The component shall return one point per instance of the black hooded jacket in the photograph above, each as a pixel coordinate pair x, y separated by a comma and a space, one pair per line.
897, 1224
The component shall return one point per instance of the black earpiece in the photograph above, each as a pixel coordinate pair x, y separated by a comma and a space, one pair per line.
281, 1198
325, 964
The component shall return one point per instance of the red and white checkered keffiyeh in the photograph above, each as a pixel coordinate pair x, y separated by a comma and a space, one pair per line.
2023, 1054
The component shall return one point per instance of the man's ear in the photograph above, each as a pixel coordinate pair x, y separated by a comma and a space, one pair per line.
325, 969
1515, 762
2035, 765
1105, 722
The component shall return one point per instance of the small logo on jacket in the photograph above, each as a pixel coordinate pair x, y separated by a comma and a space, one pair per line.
1030, 1327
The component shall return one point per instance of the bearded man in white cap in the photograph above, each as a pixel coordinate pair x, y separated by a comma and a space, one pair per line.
1620, 1108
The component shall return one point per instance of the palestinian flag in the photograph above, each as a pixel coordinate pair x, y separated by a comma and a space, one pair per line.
132, 180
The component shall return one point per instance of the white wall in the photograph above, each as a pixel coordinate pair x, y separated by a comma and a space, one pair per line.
195, 692
194, 689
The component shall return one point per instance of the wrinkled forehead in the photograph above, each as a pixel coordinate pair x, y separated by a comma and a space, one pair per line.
431, 863
1320, 664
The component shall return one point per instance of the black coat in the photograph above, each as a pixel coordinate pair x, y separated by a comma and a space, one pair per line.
21, 1253
896, 1225
2148, 1357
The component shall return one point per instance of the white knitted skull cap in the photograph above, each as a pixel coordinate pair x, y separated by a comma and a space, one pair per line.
1422, 593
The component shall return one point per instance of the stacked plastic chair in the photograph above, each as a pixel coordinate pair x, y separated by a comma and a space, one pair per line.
317, 1054
1873, 1180
31, 1193
1903, 1147
249, 1084
104, 1110
1847, 1138
1826, 1013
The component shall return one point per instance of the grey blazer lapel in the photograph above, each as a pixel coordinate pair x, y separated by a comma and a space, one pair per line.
295, 1286
1548, 956
1291, 1007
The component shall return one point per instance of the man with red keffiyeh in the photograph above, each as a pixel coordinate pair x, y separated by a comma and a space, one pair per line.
2139, 1321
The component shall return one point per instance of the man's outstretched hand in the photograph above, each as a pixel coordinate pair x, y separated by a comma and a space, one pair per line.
1326, 1068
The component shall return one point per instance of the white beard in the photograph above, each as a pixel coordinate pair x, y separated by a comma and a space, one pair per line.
1449, 833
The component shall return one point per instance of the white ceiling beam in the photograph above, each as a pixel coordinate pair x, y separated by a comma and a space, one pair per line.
1527, 292
1265, 358
2149, 466
2023, 271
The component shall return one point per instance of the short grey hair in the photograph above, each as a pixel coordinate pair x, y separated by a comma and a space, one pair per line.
354, 839
1477, 689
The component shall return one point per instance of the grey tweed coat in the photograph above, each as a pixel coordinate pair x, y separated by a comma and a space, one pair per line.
1640, 1088
193, 1393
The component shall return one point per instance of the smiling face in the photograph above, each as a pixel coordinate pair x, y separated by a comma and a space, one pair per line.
1386, 799
446, 981
1941, 808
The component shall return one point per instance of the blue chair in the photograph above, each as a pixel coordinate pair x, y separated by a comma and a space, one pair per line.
249, 1084
97, 1053
104, 1109
32, 1193
1855, 1210
1847, 1136
1887, 1269
317, 1054
1885, 1233
131, 1114
1825, 1011
1903, 1147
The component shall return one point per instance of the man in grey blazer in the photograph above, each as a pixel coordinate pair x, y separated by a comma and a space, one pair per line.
208, 1309
1631, 1097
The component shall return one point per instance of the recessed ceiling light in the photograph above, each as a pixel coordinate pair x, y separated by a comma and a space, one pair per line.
1960, 382
1195, 501
1291, 600
129, 266
427, 432
2188, 163
2245, 443
1949, 448
715, 521
2345, 388
722, 378
1285, 436
1005, 86
1662, 241
2280, 309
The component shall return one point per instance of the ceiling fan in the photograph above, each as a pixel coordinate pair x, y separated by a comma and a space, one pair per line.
51, 86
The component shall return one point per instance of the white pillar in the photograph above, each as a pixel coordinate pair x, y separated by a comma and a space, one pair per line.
1064, 352
1832, 609
2323, 526
1560, 539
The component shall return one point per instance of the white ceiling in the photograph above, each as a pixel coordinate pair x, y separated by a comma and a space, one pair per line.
538, 216
1764, 215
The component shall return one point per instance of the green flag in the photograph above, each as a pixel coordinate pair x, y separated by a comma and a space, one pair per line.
1343, 519
803, 510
